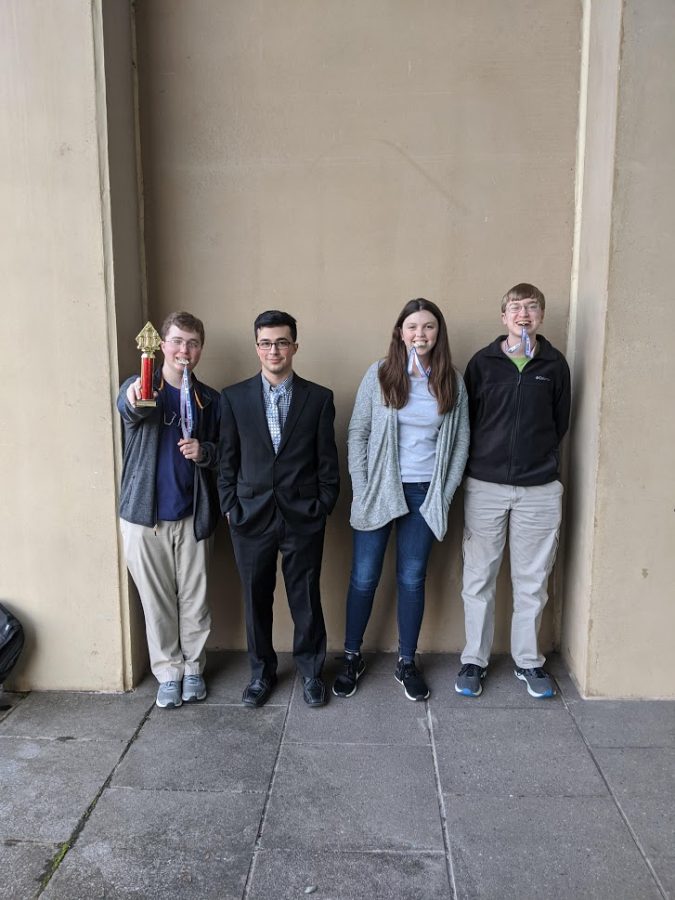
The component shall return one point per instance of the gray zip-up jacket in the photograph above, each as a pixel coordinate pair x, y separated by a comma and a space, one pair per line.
374, 461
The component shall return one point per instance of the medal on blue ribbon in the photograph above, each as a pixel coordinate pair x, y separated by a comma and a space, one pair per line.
415, 363
186, 414
523, 342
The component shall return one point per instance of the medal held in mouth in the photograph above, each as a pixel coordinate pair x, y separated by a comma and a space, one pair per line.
148, 342
524, 342
186, 413
414, 362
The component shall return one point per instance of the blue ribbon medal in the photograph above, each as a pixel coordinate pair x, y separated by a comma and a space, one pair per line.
415, 363
524, 340
186, 414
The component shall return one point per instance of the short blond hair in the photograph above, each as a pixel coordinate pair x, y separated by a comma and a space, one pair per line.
523, 292
183, 320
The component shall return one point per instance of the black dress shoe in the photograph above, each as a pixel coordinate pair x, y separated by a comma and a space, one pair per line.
258, 691
314, 691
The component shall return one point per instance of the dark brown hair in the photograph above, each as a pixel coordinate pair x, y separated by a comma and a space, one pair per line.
393, 373
275, 318
183, 320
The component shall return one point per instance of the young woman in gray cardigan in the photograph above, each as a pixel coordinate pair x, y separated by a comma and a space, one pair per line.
408, 444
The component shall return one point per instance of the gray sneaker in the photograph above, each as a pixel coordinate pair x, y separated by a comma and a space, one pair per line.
469, 679
193, 688
539, 683
168, 695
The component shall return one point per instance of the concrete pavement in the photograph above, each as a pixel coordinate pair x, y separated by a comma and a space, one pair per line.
503, 796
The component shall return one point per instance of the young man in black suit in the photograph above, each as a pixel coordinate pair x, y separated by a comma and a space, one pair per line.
278, 480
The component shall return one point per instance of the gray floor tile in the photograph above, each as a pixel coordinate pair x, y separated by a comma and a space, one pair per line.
202, 747
639, 772
353, 797
66, 716
626, 723
227, 674
183, 878
22, 865
643, 783
284, 875
513, 752
378, 713
571, 847
159, 844
48, 785
9, 701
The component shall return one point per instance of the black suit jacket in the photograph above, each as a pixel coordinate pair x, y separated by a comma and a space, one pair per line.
302, 480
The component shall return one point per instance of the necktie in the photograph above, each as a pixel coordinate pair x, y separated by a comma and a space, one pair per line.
273, 421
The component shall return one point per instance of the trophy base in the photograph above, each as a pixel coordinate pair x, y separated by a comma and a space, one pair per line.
146, 403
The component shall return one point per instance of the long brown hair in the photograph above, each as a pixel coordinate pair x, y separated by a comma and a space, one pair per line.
393, 372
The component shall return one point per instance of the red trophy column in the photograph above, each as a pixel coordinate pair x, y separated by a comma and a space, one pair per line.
148, 342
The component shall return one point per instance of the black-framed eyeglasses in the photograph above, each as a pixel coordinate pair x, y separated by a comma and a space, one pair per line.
282, 344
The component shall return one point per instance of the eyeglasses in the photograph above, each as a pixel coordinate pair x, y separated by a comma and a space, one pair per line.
179, 343
513, 309
282, 344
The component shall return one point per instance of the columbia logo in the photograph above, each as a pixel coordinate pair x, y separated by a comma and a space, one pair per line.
541, 378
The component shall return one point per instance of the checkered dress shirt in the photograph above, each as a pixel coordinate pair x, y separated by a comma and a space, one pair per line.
277, 403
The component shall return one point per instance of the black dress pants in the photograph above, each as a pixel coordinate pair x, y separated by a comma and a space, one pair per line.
301, 555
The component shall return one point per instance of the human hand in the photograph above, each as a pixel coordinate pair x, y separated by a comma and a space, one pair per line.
134, 392
190, 448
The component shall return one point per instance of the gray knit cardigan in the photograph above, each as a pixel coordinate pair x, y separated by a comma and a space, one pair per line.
374, 463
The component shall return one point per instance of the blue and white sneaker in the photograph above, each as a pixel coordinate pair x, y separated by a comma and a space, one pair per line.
539, 683
168, 695
194, 689
468, 681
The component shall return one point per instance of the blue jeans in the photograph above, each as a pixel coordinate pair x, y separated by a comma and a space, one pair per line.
414, 540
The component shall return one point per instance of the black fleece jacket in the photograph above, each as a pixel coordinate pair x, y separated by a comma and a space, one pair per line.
518, 419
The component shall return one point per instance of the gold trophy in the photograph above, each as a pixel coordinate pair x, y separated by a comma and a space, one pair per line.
148, 342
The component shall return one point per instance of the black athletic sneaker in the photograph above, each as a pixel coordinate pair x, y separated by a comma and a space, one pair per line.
413, 683
347, 681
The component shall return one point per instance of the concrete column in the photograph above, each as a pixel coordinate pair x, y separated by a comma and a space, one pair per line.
619, 616
62, 254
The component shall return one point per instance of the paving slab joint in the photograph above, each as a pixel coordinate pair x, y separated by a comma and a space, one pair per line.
263, 815
53, 865
441, 805
652, 871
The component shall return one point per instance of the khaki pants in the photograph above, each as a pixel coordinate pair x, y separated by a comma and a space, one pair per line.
169, 568
531, 516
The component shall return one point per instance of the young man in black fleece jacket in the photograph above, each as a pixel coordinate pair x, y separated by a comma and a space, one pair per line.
519, 407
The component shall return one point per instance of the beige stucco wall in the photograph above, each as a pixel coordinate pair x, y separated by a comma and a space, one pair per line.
588, 310
619, 613
336, 159
60, 566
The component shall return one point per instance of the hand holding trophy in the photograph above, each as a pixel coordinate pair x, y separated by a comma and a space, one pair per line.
148, 342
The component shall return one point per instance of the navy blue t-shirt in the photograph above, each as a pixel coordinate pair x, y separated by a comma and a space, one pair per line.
175, 474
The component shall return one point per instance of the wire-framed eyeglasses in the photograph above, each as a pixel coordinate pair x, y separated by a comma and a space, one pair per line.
513, 309
179, 343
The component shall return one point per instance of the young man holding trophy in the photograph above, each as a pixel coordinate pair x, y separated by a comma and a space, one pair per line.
169, 502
